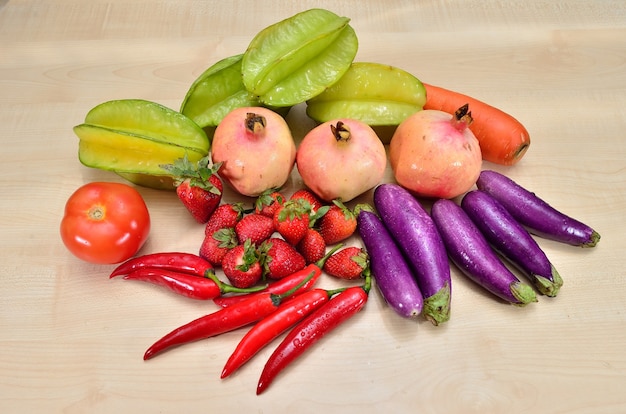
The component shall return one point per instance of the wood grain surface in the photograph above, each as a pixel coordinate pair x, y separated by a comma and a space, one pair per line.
71, 340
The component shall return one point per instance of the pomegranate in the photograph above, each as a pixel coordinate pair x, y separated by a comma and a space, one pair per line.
341, 158
256, 149
434, 154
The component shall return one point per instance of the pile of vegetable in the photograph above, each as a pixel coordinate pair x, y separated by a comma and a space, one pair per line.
271, 279
273, 251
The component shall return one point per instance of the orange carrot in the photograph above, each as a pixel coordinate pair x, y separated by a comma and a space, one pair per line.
502, 138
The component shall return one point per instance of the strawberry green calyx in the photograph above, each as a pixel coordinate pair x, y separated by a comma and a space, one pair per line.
294, 209
348, 214
250, 256
268, 197
362, 259
198, 174
226, 237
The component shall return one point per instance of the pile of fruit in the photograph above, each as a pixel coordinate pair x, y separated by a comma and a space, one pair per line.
231, 130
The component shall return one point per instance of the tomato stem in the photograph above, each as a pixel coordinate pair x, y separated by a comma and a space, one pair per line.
96, 213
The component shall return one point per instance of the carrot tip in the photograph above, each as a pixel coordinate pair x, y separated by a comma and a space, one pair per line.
521, 151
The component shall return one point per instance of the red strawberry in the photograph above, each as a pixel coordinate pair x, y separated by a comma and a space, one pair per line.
310, 197
268, 202
280, 258
241, 265
255, 227
198, 186
291, 220
347, 263
224, 216
337, 224
215, 245
312, 246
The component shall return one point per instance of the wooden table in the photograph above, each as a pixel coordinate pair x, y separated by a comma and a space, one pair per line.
72, 340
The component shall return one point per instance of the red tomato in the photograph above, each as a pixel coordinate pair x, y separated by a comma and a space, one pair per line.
105, 223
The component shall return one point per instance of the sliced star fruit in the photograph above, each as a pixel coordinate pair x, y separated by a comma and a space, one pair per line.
134, 137
295, 59
216, 92
380, 95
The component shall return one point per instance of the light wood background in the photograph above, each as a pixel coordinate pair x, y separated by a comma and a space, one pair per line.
71, 340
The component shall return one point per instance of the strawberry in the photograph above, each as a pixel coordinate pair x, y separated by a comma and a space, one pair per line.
347, 263
309, 196
241, 265
215, 245
312, 246
197, 186
337, 224
280, 258
224, 216
255, 227
291, 220
268, 202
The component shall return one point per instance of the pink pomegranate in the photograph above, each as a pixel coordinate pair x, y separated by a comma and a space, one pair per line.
341, 159
434, 154
256, 149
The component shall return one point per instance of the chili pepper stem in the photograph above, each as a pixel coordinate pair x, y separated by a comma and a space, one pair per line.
333, 292
320, 262
277, 299
227, 288
367, 274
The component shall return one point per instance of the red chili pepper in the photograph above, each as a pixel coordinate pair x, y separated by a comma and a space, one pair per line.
323, 320
221, 321
277, 288
270, 327
284, 284
192, 286
177, 261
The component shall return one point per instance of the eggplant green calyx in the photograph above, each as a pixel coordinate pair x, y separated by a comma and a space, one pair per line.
437, 307
546, 286
523, 292
593, 240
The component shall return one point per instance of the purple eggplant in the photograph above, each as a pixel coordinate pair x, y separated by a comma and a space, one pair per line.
511, 240
470, 252
415, 233
392, 274
537, 216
